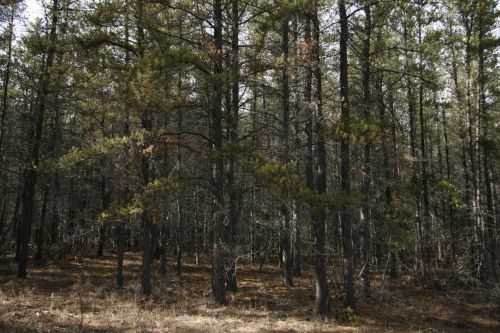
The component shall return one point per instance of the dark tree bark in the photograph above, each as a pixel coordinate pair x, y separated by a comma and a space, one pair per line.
345, 157
318, 209
298, 206
468, 20
309, 157
285, 244
233, 138
147, 124
103, 227
2, 218
163, 242
219, 233
120, 228
6, 81
425, 216
419, 249
388, 176
15, 223
179, 201
40, 236
120, 247
147, 252
35, 138
489, 244
451, 211
365, 216
463, 155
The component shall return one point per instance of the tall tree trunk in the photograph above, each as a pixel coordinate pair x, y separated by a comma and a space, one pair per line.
365, 216
146, 220
388, 176
345, 157
255, 143
413, 146
233, 138
298, 207
147, 125
471, 141
425, 215
309, 156
35, 138
219, 233
460, 102
318, 209
286, 204
6, 81
120, 228
489, 244
451, 211
179, 201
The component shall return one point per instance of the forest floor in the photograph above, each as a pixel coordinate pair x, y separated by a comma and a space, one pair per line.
79, 295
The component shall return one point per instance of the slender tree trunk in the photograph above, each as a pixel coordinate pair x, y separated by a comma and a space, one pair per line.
464, 137
286, 204
15, 223
365, 217
120, 247
3, 213
179, 201
163, 249
388, 177
147, 124
490, 215
120, 228
219, 233
413, 146
6, 81
318, 211
425, 216
253, 210
489, 244
102, 227
196, 230
40, 236
451, 212
309, 113
298, 207
471, 122
233, 138
345, 157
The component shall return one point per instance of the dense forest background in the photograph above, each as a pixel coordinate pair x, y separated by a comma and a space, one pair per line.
359, 138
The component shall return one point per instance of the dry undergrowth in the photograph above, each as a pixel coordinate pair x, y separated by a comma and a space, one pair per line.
79, 295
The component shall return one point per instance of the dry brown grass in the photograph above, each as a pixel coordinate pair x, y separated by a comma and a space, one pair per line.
79, 295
